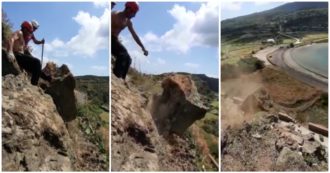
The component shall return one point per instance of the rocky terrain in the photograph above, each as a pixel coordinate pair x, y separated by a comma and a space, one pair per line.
147, 133
40, 127
267, 124
273, 142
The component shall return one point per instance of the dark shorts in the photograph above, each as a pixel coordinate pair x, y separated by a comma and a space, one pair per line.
123, 60
31, 65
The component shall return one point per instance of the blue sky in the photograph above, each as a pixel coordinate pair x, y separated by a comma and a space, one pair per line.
180, 37
76, 34
231, 9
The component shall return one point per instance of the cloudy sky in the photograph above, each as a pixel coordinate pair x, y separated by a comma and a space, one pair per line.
231, 9
180, 37
76, 34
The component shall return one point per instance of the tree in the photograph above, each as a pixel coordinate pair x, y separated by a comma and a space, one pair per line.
6, 28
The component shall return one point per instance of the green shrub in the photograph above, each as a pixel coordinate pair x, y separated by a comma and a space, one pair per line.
6, 28
251, 64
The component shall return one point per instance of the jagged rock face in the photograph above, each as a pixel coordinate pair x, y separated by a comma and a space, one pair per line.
135, 142
270, 144
131, 132
62, 92
178, 107
9, 66
34, 136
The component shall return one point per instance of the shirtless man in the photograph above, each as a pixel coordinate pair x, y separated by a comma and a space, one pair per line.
119, 21
17, 48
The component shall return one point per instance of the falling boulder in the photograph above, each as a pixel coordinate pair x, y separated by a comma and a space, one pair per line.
179, 106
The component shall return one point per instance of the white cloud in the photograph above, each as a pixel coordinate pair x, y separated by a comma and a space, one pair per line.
101, 4
150, 37
99, 68
200, 28
231, 6
161, 61
152, 42
207, 24
190, 29
191, 65
56, 48
91, 36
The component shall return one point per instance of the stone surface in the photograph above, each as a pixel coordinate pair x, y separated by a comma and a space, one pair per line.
9, 66
290, 160
135, 140
178, 107
34, 136
62, 91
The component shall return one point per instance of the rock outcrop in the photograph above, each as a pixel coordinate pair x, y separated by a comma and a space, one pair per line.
136, 142
62, 91
271, 144
178, 107
34, 136
9, 66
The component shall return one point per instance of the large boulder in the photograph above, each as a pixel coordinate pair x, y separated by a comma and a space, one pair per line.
62, 91
34, 136
179, 106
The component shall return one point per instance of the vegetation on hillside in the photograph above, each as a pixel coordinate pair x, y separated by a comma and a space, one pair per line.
93, 115
6, 28
306, 16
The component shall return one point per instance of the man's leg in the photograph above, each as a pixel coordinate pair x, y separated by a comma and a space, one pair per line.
30, 64
123, 60
127, 64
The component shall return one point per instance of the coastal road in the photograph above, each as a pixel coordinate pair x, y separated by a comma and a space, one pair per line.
280, 59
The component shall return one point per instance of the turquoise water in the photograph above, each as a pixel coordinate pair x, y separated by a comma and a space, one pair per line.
313, 57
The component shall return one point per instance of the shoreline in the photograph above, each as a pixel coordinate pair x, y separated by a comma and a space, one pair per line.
281, 58
289, 60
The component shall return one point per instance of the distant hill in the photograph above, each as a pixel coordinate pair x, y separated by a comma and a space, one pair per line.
202, 80
212, 83
290, 17
96, 88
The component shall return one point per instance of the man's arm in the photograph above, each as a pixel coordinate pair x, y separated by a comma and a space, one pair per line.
113, 4
37, 41
136, 37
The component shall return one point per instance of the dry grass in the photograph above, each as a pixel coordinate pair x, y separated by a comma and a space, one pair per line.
233, 52
283, 88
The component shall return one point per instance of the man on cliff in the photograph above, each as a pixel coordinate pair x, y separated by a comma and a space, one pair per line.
18, 48
119, 21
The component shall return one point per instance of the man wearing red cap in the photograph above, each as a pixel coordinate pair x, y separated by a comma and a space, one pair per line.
18, 49
119, 21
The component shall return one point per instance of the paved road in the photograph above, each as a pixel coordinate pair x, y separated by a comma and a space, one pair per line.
296, 71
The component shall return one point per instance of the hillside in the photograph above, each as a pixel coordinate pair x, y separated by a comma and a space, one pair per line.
272, 119
41, 125
290, 17
163, 123
96, 88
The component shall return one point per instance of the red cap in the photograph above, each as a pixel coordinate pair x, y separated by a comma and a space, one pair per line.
133, 6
